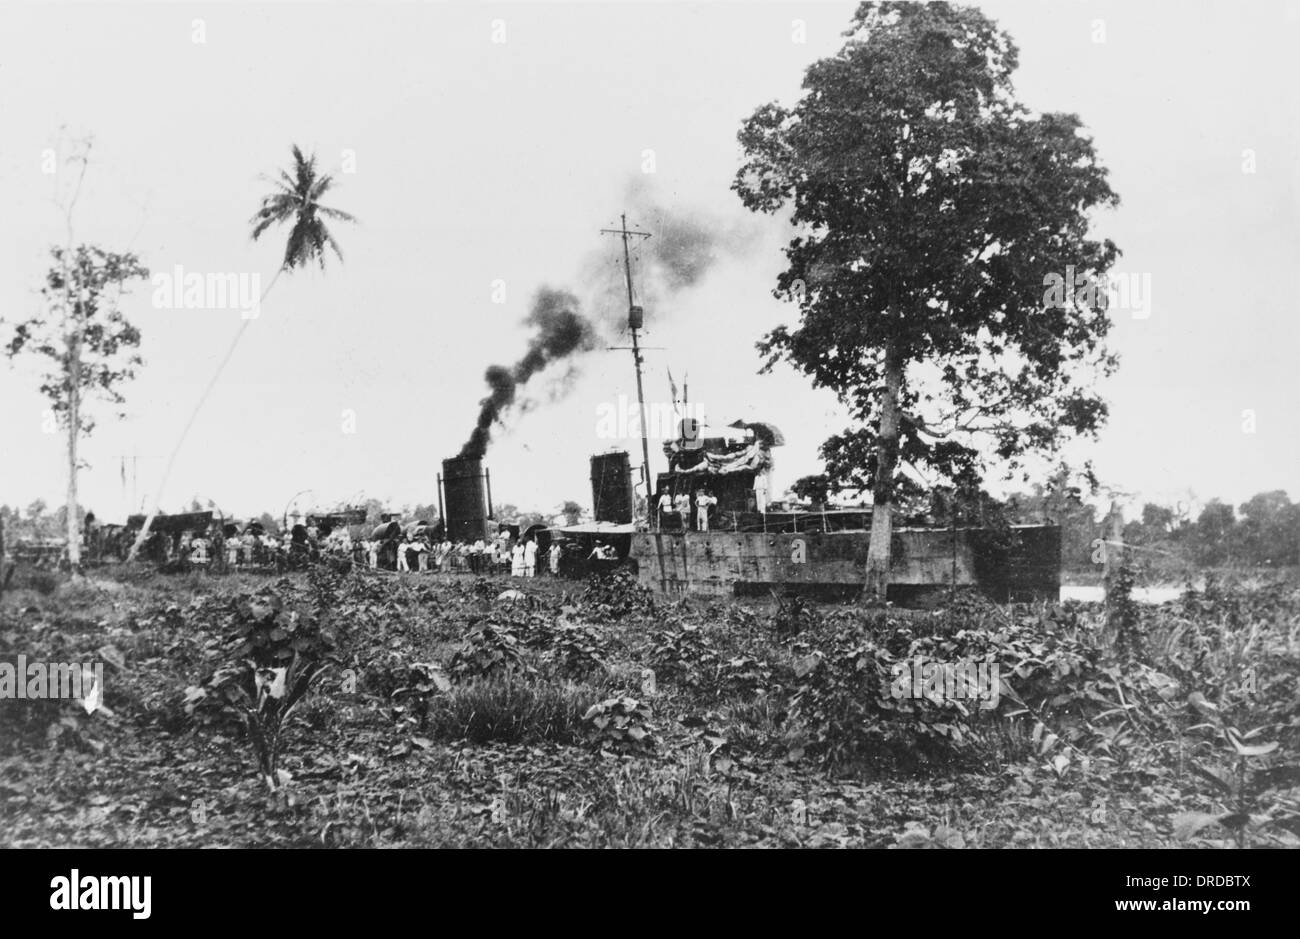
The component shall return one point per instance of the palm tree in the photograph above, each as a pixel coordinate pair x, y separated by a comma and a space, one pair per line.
296, 200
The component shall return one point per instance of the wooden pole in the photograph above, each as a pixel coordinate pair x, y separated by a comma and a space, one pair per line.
636, 357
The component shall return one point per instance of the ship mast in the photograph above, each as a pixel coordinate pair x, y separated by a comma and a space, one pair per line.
635, 319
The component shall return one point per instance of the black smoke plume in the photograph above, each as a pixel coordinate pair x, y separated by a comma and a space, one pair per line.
686, 245
559, 331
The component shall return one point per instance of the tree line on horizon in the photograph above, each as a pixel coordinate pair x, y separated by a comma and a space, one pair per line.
1262, 532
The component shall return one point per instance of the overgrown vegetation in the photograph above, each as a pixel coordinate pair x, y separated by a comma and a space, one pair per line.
395, 712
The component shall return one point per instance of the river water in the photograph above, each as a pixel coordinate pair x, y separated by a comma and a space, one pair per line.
1097, 594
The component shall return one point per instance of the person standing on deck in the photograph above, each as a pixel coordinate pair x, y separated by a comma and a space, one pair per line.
703, 503
665, 507
682, 502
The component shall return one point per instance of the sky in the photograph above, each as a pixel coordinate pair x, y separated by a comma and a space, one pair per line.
482, 148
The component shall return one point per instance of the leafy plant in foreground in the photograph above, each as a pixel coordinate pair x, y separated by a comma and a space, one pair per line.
277, 653
425, 680
1242, 783
686, 654
489, 651
621, 725
616, 595
580, 650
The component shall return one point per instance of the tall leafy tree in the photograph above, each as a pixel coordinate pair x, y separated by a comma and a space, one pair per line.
88, 346
1214, 533
295, 201
1157, 521
571, 511
816, 489
1270, 529
931, 211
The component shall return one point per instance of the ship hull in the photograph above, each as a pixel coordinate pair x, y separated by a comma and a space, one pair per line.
1022, 564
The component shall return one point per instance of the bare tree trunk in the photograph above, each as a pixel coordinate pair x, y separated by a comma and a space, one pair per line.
73, 309
74, 428
882, 495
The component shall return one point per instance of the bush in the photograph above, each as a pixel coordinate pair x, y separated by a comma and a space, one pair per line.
848, 717
579, 650
620, 725
846, 703
489, 651
685, 654
616, 595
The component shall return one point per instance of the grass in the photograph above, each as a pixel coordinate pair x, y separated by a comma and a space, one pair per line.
511, 709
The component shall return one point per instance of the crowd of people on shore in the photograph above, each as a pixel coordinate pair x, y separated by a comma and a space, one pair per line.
417, 548
217, 550
414, 547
